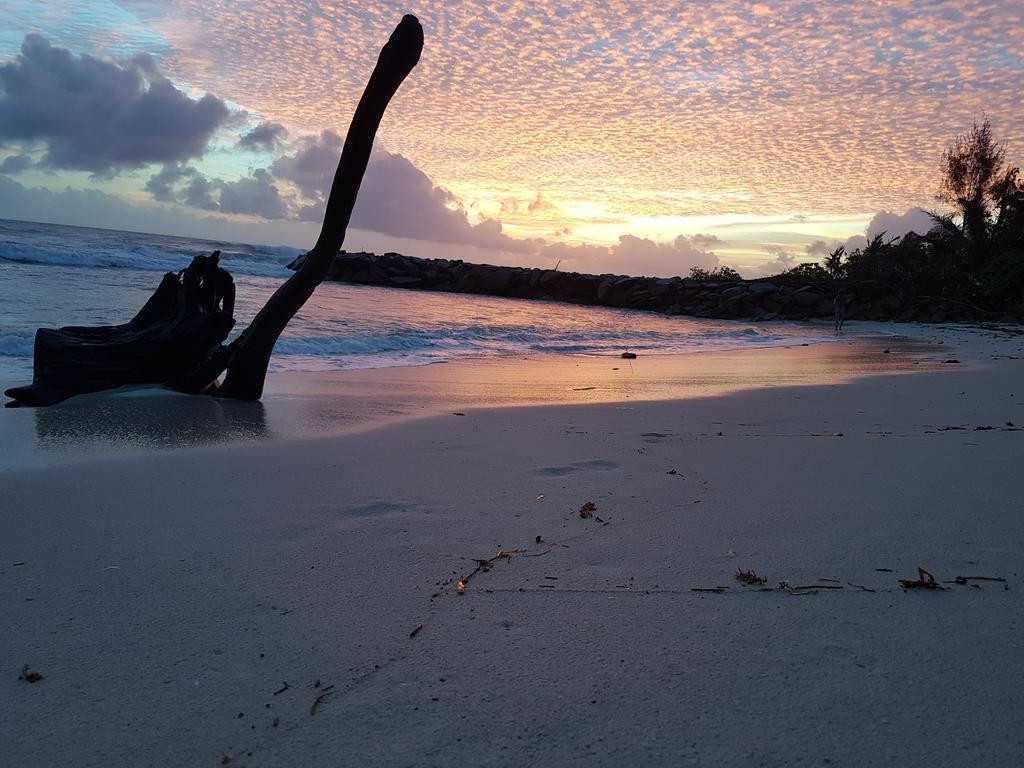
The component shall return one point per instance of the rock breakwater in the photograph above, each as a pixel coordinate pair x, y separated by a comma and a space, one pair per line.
757, 300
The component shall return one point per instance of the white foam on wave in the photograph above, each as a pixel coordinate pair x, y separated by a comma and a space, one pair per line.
261, 261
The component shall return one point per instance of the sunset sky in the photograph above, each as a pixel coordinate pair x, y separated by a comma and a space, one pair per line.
635, 137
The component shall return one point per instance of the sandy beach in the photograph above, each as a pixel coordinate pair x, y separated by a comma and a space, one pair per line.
279, 586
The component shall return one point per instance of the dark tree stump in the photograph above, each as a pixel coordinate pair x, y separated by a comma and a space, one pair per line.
172, 334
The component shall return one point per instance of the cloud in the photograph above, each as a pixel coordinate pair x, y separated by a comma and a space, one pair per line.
770, 127
854, 243
98, 115
15, 164
782, 260
198, 193
312, 167
255, 195
90, 207
396, 198
899, 224
819, 249
539, 204
265, 137
636, 256
161, 184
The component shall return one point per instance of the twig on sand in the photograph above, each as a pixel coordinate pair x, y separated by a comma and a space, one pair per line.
485, 565
817, 586
860, 587
282, 689
320, 699
965, 579
416, 630
924, 581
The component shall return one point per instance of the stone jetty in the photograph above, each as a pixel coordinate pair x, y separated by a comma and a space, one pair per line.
778, 298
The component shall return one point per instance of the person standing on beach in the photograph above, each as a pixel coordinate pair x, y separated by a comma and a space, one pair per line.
840, 306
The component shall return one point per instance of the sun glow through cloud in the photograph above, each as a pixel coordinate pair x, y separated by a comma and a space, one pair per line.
766, 124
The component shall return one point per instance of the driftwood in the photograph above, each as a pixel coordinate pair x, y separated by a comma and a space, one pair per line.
173, 333
177, 338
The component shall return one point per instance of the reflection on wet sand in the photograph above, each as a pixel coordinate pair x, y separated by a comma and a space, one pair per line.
308, 405
147, 419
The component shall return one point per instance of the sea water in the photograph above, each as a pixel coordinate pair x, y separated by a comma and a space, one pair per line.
56, 275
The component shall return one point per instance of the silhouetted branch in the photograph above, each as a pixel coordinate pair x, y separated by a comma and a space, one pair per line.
250, 353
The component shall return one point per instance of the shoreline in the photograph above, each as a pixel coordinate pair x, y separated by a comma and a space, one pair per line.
168, 597
314, 405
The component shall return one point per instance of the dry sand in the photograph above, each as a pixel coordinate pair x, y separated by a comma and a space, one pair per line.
167, 596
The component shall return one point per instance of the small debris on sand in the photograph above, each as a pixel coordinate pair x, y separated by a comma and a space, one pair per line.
588, 509
749, 577
29, 675
924, 581
320, 699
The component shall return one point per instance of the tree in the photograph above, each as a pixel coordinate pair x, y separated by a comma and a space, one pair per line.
979, 186
721, 274
834, 265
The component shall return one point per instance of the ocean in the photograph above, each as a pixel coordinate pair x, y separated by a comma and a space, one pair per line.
54, 275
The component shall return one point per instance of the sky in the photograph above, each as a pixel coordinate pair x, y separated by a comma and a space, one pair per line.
619, 136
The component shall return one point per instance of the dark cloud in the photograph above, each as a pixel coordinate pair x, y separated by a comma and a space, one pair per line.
396, 198
312, 167
15, 164
198, 193
255, 195
101, 116
161, 184
90, 207
264, 137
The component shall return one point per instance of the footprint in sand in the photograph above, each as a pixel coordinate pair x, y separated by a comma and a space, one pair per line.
577, 466
375, 510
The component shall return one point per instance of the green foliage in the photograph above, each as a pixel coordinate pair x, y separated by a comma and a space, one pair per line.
1003, 284
808, 272
718, 274
973, 255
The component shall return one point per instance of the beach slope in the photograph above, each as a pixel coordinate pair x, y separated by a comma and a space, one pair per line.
298, 602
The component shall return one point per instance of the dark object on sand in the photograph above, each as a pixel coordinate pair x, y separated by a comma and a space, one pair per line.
29, 675
749, 577
173, 340
173, 333
629, 355
924, 581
